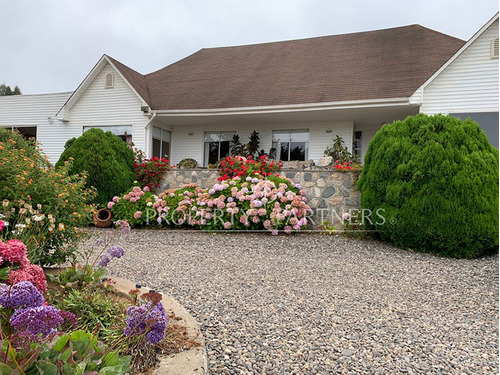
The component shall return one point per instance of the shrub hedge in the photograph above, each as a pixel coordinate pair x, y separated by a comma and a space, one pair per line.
105, 158
436, 180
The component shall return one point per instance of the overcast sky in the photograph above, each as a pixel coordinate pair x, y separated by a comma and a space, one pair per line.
50, 46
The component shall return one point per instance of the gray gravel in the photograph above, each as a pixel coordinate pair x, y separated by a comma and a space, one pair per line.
319, 304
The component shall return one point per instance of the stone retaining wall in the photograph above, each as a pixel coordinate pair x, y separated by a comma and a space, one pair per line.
329, 193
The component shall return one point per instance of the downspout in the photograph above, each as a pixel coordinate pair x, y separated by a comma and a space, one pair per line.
146, 135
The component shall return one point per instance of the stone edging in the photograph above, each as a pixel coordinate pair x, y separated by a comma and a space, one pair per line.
192, 361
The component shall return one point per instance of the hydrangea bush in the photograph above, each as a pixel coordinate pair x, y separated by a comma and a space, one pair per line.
256, 202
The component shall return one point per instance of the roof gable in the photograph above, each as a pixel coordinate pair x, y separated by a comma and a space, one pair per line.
460, 51
128, 75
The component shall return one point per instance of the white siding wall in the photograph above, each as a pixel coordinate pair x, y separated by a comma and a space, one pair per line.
34, 110
99, 106
191, 146
468, 84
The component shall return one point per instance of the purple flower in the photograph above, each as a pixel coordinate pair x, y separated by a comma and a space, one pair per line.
116, 251
35, 320
105, 259
22, 294
147, 319
257, 203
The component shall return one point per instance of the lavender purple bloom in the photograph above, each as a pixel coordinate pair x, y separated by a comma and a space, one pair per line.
20, 295
116, 251
147, 318
35, 320
105, 259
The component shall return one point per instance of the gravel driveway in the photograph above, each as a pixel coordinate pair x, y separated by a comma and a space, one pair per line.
319, 304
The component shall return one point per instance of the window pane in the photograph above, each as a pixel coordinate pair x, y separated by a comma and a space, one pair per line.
283, 147
224, 149
212, 137
28, 132
156, 148
300, 135
211, 152
281, 135
298, 151
165, 135
226, 136
156, 132
165, 150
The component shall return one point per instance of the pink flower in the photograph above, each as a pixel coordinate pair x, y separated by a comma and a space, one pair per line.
137, 215
110, 205
227, 225
14, 251
116, 199
32, 273
274, 232
2, 224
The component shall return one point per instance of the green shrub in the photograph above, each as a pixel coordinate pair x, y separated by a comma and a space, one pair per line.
42, 207
105, 158
436, 178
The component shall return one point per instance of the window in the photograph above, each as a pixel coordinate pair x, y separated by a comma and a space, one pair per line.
291, 144
161, 143
28, 132
217, 146
122, 131
110, 81
356, 145
494, 48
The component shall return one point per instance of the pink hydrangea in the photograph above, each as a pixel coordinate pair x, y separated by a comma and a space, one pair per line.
137, 215
14, 251
29, 272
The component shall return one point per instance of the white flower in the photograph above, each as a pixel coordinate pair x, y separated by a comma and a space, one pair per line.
149, 204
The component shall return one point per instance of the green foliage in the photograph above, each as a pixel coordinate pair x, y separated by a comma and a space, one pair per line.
106, 159
71, 354
43, 207
134, 206
339, 152
6, 90
94, 308
436, 180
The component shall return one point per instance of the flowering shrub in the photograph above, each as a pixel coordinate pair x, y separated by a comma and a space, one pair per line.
41, 206
346, 166
269, 203
133, 205
239, 166
149, 319
13, 259
149, 172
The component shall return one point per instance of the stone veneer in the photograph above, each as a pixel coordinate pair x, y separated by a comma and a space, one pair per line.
329, 193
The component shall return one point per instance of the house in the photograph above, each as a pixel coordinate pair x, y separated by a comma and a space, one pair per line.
297, 94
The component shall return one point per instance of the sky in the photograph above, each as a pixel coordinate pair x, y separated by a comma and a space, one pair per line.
50, 46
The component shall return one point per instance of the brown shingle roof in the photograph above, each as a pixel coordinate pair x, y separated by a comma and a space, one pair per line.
390, 63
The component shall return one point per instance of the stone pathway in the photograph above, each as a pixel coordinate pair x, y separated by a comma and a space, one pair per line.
316, 304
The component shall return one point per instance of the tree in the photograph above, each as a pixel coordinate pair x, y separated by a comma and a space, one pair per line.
6, 90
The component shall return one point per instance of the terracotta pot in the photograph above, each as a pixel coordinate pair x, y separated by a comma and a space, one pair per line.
102, 219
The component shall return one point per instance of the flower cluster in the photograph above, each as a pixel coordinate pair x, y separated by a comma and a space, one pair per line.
150, 171
35, 320
256, 202
21, 295
111, 252
149, 318
345, 166
132, 205
13, 254
239, 166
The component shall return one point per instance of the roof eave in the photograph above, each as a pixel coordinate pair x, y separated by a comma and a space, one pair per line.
353, 104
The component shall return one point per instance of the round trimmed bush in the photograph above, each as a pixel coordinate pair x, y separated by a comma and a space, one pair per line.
106, 160
434, 182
